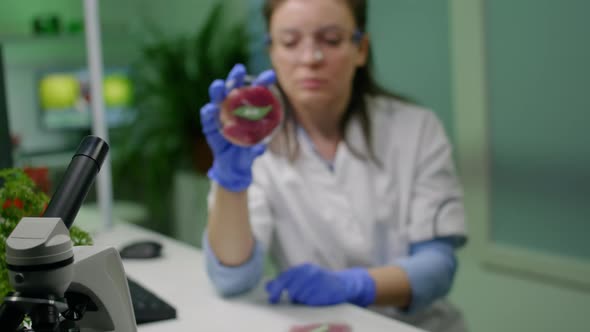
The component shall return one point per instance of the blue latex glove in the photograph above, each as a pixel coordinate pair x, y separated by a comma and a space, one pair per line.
232, 164
312, 285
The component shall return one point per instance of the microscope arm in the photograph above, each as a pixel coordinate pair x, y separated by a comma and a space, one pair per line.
100, 276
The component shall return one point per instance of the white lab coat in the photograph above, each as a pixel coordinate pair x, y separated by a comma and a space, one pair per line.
360, 214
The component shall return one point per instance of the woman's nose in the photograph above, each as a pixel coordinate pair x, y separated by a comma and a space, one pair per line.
312, 55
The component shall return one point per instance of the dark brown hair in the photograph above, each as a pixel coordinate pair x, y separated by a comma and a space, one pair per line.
364, 84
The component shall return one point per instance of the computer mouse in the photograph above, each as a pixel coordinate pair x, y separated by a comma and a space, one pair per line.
141, 249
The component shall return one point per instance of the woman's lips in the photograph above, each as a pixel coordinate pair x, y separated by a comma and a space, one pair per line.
312, 83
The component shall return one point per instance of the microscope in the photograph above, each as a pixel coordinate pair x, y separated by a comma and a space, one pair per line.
58, 286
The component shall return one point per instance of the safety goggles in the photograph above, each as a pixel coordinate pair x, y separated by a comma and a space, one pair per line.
295, 45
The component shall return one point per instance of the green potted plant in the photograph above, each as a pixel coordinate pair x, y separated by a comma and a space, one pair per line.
171, 82
20, 197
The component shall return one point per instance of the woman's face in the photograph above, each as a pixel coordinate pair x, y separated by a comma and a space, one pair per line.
315, 50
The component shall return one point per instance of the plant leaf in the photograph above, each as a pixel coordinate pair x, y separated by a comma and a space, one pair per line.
253, 113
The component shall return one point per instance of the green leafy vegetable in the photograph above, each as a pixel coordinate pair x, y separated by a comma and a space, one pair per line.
253, 113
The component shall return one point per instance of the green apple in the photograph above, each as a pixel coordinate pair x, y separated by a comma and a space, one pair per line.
59, 91
117, 90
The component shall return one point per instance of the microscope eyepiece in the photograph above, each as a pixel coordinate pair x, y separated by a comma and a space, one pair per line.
77, 180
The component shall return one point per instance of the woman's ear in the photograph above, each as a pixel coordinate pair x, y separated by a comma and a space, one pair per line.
363, 51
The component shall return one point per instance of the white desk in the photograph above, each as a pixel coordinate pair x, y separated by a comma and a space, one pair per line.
179, 277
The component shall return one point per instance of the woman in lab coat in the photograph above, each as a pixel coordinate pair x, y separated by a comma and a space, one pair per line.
356, 198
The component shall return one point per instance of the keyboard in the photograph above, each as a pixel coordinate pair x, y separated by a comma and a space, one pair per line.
148, 307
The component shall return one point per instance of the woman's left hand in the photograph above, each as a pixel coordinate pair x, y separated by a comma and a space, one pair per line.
315, 286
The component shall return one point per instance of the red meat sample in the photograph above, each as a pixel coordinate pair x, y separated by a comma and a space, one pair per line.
250, 115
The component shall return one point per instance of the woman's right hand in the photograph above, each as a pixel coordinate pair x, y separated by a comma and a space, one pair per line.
232, 164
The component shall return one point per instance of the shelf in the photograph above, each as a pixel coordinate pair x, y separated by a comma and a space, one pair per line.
79, 37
